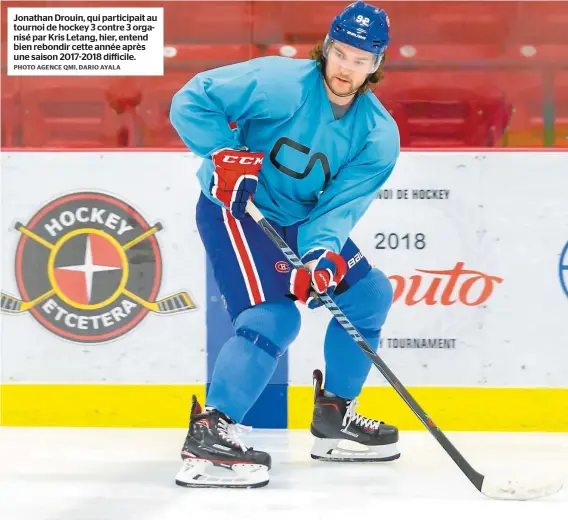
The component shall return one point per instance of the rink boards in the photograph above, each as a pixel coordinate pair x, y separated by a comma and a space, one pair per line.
111, 316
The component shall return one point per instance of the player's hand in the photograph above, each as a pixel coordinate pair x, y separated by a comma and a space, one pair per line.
323, 272
235, 178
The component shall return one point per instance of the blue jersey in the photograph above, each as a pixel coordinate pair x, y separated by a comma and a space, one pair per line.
319, 170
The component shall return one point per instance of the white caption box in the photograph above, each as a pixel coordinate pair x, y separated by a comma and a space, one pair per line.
86, 41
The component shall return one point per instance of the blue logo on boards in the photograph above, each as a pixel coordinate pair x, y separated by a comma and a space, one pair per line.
563, 269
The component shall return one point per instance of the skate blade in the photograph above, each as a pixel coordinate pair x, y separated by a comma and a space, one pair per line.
337, 450
202, 473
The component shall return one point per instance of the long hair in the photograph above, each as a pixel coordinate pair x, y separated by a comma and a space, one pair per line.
374, 79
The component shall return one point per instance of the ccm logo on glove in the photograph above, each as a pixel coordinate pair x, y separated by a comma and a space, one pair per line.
235, 178
231, 159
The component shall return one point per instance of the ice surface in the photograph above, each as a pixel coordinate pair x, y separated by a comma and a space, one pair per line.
124, 474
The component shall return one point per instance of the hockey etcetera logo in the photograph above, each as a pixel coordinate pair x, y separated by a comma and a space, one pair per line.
89, 269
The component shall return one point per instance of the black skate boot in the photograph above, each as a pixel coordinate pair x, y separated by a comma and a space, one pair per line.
212, 442
335, 421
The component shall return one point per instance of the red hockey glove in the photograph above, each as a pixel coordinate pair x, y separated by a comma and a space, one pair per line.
324, 271
235, 178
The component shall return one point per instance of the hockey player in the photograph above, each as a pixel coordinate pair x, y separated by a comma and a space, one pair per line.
312, 146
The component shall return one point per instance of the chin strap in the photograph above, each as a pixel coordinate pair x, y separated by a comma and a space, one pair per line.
339, 95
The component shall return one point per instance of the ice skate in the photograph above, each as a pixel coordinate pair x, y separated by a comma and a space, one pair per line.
213, 456
342, 435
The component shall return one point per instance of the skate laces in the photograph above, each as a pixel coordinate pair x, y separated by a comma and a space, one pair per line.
230, 432
352, 416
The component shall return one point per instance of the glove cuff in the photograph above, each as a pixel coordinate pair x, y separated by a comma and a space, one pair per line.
313, 254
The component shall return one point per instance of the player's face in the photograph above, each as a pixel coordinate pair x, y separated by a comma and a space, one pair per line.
347, 67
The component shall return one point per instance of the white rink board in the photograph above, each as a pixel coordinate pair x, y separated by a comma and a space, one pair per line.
160, 349
506, 216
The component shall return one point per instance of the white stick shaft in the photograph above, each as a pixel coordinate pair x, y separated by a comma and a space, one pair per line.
253, 211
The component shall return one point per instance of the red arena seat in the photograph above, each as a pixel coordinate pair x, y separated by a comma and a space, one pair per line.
206, 56
68, 112
208, 22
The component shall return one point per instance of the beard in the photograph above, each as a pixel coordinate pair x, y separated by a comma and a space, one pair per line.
341, 88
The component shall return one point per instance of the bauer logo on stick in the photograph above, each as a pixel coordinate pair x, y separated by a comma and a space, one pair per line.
89, 269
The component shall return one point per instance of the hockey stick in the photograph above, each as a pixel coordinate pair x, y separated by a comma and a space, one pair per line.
29, 233
169, 305
14, 305
506, 490
154, 229
172, 304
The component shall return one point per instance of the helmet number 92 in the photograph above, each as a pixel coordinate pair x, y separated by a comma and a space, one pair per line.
362, 20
